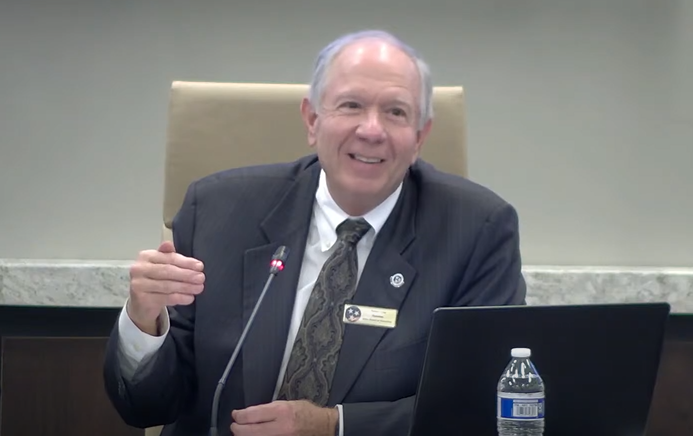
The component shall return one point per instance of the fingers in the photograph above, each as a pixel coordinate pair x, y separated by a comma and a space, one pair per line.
280, 418
167, 272
167, 247
165, 265
179, 299
167, 299
148, 305
162, 277
256, 414
149, 285
171, 258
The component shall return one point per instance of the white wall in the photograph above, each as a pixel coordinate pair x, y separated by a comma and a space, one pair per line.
580, 112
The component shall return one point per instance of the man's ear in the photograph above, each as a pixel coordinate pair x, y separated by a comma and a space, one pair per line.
310, 117
421, 136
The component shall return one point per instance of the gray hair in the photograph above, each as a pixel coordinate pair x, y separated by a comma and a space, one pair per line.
327, 55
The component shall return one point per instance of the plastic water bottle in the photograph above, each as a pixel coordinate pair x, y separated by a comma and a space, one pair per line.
520, 397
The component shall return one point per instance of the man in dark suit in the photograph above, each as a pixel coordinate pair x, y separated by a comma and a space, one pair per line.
378, 240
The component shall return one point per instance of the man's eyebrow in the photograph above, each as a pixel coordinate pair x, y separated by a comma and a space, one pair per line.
401, 102
354, 95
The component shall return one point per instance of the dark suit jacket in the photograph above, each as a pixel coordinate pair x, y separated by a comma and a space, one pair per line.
455, 243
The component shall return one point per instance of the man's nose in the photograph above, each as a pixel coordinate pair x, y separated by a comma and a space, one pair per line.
371, 127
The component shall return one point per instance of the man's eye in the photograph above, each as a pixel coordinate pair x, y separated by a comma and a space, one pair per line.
398, 112
350, 105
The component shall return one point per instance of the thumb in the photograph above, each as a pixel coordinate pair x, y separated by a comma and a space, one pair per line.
167, 247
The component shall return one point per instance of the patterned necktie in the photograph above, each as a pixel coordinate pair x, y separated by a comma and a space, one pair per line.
316, 348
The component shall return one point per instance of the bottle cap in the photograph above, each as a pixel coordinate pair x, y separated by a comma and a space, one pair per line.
521, 352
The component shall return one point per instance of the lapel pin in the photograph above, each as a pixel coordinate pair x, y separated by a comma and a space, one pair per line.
397, 280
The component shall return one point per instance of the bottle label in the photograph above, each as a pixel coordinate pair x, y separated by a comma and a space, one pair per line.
524, 407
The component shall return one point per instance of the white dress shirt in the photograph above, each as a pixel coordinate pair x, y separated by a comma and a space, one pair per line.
136, 347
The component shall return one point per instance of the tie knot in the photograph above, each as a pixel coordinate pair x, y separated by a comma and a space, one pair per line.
352, 230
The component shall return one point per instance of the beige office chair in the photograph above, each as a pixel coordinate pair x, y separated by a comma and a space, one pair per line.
214, 126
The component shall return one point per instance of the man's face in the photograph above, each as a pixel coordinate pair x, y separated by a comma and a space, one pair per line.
365, 130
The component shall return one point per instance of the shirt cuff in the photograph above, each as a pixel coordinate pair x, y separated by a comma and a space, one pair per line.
135, 346
341, 420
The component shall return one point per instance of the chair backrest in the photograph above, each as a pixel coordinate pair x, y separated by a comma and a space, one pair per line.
215, 126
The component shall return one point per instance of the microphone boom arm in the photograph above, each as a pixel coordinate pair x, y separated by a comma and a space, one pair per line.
277, 265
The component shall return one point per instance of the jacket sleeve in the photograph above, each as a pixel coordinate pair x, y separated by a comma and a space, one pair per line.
165, 384
494, 275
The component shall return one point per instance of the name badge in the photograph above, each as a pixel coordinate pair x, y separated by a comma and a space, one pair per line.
372, 316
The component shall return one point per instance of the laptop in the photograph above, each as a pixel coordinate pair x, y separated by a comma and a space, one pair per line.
599, 365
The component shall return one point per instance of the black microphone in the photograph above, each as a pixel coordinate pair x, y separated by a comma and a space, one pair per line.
276, 265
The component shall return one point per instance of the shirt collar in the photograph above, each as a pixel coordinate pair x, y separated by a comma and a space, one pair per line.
329, 215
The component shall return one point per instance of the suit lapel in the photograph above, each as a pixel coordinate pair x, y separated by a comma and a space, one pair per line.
374, 289
264, 346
